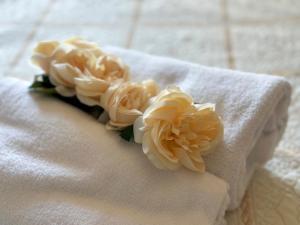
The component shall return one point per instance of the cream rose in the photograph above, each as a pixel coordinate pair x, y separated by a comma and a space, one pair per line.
44, 53
81, 44
100, 74
64, 70
110, 68
124, 102
175, 132
76, 66
63, 61
47, 51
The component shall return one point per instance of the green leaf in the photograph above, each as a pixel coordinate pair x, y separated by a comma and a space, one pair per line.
46, 81
94, 111
48, 91
127, 134
42, 84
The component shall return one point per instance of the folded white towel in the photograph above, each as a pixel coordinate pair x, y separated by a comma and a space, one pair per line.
253, 107
59, 166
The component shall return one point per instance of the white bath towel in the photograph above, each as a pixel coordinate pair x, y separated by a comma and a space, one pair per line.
59, 166
253, 108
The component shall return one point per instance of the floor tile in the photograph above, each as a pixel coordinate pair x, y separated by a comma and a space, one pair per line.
13, 11
192, 11
91, 11
267, 48
103, 35
291, 138
204, 45
263, 10
12, 38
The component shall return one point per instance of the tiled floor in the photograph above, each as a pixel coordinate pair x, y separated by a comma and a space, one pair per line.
257, 36
250, 35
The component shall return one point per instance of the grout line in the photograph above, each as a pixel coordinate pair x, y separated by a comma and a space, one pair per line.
277, 21
31, 35
135, 19
243, 22
227, 35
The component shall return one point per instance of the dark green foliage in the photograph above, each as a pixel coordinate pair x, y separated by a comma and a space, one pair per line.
127, 134
42, 84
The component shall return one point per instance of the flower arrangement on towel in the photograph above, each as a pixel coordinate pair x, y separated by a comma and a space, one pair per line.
173, 130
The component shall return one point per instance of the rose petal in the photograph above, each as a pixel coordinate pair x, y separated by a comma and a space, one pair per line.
90, 86
65, 73
41, 61
151, 87
46, 48
154, 156
87, 101
189, 163
64, 91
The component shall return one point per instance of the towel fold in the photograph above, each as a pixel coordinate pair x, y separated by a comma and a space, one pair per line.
59, 166
253, 108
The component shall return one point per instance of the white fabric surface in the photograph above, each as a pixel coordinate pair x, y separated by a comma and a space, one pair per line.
253, 108
59, 166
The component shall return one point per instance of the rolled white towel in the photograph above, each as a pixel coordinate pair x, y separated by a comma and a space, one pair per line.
253, 108
59, 166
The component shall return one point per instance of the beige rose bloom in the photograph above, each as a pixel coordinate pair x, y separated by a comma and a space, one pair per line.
100, 74
175, 132
44, 53
64, 70
76, 66
47, 51
124, 102
63, 61
79, 43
